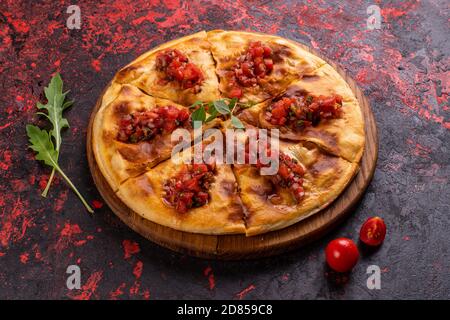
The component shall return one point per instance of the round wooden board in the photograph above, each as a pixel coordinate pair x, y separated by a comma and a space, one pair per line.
233, 247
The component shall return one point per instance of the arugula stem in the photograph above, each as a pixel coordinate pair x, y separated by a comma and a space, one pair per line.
232, 110
49, 182
88, 207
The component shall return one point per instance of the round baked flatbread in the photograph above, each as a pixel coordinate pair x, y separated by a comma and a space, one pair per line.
240, 199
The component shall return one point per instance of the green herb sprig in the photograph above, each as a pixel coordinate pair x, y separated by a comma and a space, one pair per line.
41, 139
215, 108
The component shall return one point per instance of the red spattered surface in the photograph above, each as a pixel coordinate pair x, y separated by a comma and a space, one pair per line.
402, 68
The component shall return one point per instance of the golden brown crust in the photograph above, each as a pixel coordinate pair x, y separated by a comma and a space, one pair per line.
290, 62
343, 136
118, 160
270, 207
143, 74
223, 214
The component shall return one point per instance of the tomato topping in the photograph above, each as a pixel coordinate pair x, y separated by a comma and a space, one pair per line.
236, 92
290, 174
252, 66
373, 231
342, 254
304, 110
145, 125
176, 66
189, 188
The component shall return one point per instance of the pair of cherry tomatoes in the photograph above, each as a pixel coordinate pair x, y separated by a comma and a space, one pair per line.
342, 254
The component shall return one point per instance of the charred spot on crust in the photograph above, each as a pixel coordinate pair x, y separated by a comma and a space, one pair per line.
236, 212
263, 190
323, 164
280, 52
122, 108
295, 91
330, 139
134, 153
228, 187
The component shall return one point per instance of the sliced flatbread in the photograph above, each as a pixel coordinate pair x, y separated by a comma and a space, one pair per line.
118, 160
270, 207
223, 214
143, 73
343, 136
290, 62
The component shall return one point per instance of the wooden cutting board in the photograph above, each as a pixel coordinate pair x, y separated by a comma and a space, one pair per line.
233, 247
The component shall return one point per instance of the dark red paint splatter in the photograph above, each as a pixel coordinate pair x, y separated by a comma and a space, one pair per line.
137, 271
70, 234
6, 162
130, 248
96, 64
15, 222
70, 229
24, 258
243, 293
89, 288
97, 204
62, 198
117, 292
211, 280
18, 185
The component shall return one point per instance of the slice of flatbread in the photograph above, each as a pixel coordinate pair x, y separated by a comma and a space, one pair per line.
143, 72
119, 160
223, 214
271, 207
290, 62
343, 136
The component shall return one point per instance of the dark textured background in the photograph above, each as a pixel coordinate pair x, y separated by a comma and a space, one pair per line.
402, 68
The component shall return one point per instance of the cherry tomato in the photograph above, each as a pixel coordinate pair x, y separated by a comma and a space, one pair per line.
373, 231
342, 254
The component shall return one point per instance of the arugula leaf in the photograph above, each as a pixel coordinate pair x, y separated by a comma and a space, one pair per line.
199, 114
237, 123
41, 142
222, 107
55, 107
212, 111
